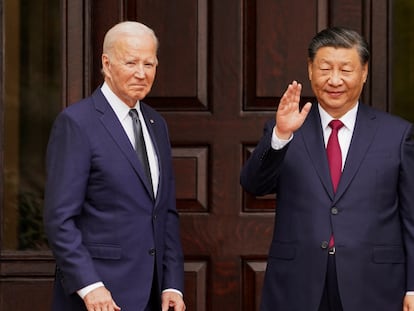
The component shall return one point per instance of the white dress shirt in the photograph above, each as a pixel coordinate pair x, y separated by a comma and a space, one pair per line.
344, 136
122, 112
344, 133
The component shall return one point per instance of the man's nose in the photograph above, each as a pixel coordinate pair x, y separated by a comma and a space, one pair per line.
139, 71
335, 77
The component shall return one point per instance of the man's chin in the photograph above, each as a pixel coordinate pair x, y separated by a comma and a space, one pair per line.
139, 95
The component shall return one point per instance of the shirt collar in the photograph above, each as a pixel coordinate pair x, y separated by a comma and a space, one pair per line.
348, 119
120, 108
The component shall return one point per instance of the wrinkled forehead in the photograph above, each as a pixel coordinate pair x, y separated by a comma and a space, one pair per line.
133, 45
128, 31
338, 53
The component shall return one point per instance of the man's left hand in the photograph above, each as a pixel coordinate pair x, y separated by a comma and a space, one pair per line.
408, 303
172, 300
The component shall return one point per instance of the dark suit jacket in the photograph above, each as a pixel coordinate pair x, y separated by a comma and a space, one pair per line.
101, 220
372, 214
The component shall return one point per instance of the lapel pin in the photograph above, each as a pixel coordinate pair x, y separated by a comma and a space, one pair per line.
151, 121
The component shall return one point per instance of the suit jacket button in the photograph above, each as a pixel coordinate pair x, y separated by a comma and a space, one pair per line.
334, 211
151, 251
324, 244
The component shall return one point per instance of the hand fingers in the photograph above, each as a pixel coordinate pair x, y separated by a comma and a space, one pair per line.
172, 301
116, 307
306, 108
176, 307
291, 95
104, 308
165, 306
291, 92
298, 91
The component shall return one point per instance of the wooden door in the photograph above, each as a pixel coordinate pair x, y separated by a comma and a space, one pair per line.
222, 66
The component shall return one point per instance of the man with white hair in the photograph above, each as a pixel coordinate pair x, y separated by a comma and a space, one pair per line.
110, 212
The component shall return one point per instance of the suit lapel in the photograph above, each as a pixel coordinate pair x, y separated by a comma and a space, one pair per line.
364, 131
115, 129
312, 136
152, 126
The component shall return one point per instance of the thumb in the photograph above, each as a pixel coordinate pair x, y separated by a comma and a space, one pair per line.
165, 305
305, 110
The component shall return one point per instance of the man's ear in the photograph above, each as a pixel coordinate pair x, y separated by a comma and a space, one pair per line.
310, 63
365, 72
105, 64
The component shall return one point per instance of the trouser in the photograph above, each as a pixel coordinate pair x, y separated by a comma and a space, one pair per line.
331, 301
154, 303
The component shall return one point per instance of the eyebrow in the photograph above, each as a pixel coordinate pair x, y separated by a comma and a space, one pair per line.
347, 62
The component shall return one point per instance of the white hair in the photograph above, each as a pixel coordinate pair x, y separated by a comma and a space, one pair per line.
126, 28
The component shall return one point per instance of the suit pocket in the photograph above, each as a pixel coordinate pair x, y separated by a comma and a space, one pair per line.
388, 254
282, 251
104, 251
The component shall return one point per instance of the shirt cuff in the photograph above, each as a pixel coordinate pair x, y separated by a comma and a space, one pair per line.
87, 289
410, 293
278, 143
173, 290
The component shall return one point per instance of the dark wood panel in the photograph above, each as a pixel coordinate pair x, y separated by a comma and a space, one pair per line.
223, 66
74, 79
253, 276
103, 14
36, 264
176, 25
196, 285
252, 204
348, 13
25, 294
226, 238
181, 27
192, 181
370, 18
276, 49
379, 32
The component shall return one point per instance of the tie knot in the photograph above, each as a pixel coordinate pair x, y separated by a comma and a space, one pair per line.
133, 113
336, 125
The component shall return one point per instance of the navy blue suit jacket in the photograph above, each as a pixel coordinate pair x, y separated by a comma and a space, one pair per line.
100, 217
371, 214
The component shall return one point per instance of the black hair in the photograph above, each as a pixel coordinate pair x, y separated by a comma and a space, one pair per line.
339, 37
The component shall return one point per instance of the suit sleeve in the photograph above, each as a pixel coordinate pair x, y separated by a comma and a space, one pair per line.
67, 165
173, 258
406, 202
173, 264
259, 174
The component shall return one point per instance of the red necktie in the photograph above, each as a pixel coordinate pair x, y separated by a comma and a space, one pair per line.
333, 150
